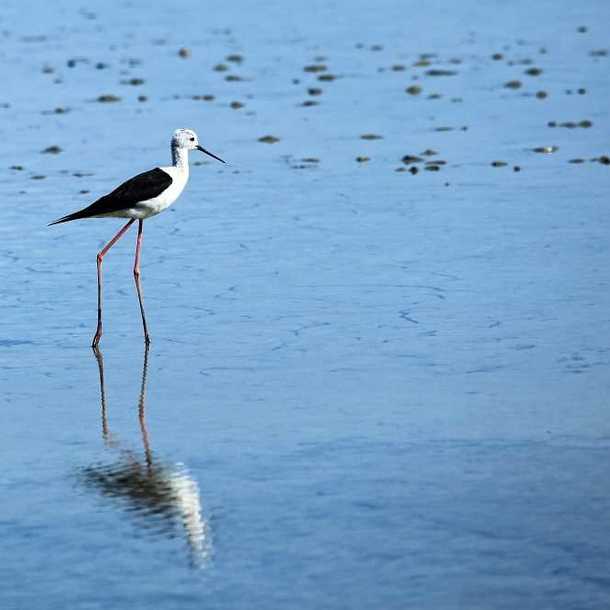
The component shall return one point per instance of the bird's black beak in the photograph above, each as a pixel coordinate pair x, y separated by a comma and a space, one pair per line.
207, 152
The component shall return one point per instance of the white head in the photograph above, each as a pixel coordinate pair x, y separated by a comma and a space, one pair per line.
187, 139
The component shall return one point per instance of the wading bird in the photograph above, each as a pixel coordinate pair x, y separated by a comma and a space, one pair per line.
138, 198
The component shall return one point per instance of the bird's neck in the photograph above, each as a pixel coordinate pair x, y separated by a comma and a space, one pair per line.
180, 158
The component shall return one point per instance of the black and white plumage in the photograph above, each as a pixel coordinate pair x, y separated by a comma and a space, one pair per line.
141, 197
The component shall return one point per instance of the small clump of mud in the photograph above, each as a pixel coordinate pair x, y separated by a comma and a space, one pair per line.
268, 139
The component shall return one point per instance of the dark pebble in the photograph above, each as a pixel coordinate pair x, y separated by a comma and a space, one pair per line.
205, 98
498, 163
37, 177
438, 72
398, 67
362, 159
429, 152
533, 71
269, 139
315, 68
413, 170
604, 160
541, 95
599, 53
233, 78
581, 91
516, 168
546, 149
142, 98
51, 150
497, 56
576, 161
107, 98
310, 160
314, 91
408, 159
581, 29
413, 90
19, 168
308, 103
370, 136
221, 67
100, 65
235, 58
236, 105
432, 168
326, 77
513, 84
184, 53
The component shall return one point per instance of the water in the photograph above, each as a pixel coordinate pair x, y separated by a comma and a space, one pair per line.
366, 388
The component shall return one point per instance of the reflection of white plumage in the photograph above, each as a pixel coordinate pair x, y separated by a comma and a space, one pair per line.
160, 496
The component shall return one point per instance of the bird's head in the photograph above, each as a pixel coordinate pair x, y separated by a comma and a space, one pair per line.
187, 138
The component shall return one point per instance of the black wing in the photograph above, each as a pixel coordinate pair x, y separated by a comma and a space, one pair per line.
142, 187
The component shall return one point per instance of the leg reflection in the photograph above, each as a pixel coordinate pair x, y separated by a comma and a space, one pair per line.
162, 496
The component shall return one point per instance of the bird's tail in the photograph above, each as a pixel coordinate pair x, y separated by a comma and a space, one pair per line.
69, 217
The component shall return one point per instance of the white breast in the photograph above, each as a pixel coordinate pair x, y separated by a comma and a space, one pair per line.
151, 207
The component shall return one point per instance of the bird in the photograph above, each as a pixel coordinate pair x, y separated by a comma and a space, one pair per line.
139, 198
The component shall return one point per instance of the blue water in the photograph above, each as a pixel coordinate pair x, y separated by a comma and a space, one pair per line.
366, 388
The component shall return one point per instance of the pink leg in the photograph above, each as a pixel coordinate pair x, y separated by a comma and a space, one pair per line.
100, 258
136, 275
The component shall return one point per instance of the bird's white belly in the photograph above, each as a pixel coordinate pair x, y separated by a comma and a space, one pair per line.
152, 207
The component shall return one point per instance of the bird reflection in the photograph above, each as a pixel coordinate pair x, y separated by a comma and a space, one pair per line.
162, 497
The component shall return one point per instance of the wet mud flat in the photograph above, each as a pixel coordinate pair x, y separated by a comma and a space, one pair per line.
379, 369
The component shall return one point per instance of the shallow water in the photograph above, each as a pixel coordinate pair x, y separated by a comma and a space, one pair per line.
367, 388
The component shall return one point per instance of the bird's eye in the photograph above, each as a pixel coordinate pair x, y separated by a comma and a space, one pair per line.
192, 139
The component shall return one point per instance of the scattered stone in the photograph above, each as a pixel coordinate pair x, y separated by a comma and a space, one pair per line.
310, 160
326, 77
51, 150
581, 91
142, 98
422, 63
269, 139
604, 160
513, 84
413, 170
184, 53
205, 98
37, 177
48, 70
413, 90
432, 168
398, 68
516, 168
498, 163
236, 105
236, 58
136, 82
314, 91
533, 71
409, 159
434, 96
439, 72
436, 162
576, 161
100, 65
429, 152
599, 53
371, 136
308, 103
18, 168
233, 78
221, 67
315, 68
546, 149
84, 191
581, 29
362, 159
108, 98
541, 95
376, 47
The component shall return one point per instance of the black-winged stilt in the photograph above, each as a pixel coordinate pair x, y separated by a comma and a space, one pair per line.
138, 198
